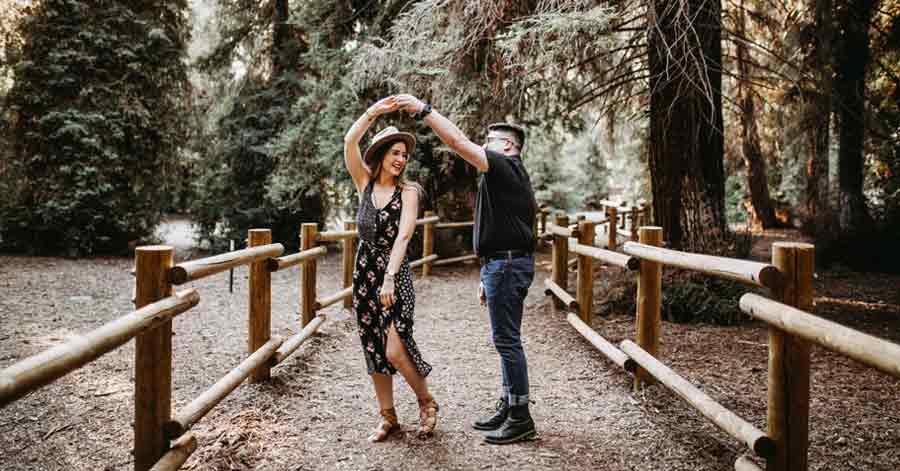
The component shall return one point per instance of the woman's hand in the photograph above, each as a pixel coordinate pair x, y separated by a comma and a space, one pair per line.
386, 296
383, 106
409, 103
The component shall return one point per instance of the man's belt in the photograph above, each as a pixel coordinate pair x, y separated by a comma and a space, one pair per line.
505, 254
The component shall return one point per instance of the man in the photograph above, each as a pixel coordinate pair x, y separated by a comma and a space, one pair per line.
504, 240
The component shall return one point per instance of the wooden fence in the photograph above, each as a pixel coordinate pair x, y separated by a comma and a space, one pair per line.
788, 279
162, 440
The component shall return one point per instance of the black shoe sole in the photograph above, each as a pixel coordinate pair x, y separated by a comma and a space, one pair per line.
486, 428
526, 435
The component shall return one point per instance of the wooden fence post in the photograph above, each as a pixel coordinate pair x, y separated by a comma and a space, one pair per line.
308, 233
152, 358
260, 319
585, 288
649, 302
427, 244
612, 216
348, 257
788, 411
624, 214
560, 257
635, 223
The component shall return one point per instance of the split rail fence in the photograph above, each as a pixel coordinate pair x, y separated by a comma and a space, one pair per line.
792, 329
162, 440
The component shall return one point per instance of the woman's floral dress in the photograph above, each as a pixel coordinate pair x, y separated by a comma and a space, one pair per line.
377, 230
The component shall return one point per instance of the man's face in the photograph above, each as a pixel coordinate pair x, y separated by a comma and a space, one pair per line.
499, 141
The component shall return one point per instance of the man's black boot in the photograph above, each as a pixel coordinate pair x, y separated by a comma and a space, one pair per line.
518, 426
495, 421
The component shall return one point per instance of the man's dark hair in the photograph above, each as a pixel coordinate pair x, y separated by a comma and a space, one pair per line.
513, 129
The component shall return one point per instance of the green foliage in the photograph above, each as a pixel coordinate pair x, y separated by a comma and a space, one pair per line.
94, 113
697, 298
686, 297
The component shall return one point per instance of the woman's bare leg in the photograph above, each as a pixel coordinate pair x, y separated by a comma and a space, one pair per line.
384, 390
399, 357
384, 393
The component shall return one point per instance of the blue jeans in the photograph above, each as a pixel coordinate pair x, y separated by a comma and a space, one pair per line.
506, 283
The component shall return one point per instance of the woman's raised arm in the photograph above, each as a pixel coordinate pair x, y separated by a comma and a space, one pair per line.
352, 155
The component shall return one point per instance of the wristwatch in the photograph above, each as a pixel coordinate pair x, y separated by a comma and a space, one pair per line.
425, 110
388, 276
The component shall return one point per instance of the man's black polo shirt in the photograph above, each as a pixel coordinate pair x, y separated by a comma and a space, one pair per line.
504, 207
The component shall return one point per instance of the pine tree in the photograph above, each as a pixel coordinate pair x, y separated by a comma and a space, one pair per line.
95, 110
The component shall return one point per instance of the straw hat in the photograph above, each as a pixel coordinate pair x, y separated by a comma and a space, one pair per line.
388, 136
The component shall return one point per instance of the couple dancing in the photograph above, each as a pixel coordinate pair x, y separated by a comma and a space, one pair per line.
383, 295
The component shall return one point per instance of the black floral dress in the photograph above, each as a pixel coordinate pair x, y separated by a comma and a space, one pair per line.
378, 228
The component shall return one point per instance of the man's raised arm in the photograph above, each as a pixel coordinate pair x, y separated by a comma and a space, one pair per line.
448, 132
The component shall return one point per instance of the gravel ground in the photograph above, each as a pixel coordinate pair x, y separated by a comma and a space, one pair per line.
319, 407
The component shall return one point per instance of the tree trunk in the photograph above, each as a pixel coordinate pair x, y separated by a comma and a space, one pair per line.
686, 143
850, 88
817, 121
757, 182
281, 36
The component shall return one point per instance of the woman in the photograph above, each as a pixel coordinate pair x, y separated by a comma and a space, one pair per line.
383, 295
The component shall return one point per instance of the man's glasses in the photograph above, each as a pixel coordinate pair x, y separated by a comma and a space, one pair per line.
499, 138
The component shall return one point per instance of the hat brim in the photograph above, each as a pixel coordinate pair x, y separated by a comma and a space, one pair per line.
404, 137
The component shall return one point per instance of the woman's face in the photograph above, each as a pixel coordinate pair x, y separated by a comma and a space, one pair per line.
395, 159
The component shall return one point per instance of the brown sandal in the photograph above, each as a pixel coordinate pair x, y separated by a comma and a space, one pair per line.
388, 424
428, 409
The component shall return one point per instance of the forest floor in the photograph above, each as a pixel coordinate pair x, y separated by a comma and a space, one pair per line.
319, 406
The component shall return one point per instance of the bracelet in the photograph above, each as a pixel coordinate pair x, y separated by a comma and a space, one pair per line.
388, 276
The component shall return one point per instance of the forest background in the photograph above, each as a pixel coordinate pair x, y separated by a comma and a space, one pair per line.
759, 112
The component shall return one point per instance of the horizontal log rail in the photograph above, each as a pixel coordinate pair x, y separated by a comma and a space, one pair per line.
869, 350
287, 261
423, 260
39, 370
604, 346
339, 296
561, 231
295, 341
607, 256
197, 269
178, 453
454, 225
461, 258
333, 236
204, 403
427, 220
755, 273
551, 288
726, 420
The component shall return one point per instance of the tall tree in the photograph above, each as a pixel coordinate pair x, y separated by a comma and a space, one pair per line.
686, 143
853, 57
99, 91
751, 150
817, 117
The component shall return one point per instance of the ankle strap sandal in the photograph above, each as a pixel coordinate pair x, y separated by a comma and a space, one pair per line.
388, 424
428, 409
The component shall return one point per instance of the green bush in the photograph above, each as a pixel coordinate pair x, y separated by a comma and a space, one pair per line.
687, 297
94, 117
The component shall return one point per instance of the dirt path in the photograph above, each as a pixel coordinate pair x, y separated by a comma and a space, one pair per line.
319, 408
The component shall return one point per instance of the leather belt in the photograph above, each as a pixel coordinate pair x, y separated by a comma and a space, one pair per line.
505, 254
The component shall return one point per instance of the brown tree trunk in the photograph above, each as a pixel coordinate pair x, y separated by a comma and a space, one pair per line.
686, 143
817, 121
757, 181
281, 35
850, 88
